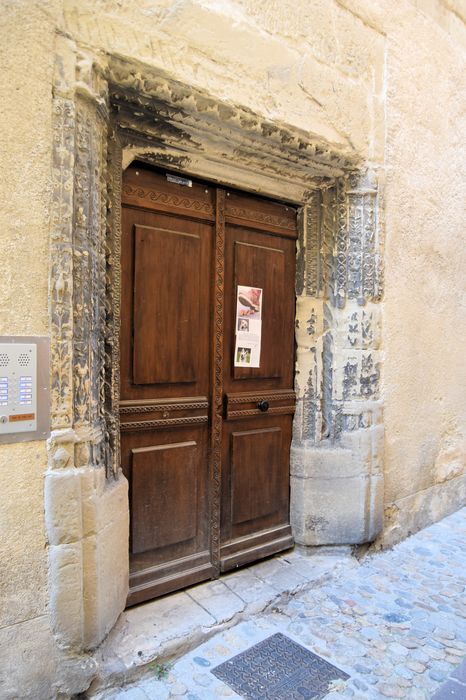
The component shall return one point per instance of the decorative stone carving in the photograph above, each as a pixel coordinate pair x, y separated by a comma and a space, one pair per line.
61, 273
339, 358
77, 287
107, 115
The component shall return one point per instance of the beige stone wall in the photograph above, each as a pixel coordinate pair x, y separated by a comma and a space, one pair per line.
424, 309
381, 81
27, 32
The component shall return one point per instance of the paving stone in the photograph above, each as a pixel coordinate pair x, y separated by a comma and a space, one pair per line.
217, 599
451, 660
391, 691
435, 653
382, 621
416, 666
422, 655
134, 693
280, 575
154, 688
454, 652
397, 649
443, 634
437, 674
411, 643
250, 588
460, 673
451, 690
363, 668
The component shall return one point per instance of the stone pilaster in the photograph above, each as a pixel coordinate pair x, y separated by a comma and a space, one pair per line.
86, 515
336, 472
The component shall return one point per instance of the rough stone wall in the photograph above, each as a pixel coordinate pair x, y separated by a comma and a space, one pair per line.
424, 312
27, 33
379, 81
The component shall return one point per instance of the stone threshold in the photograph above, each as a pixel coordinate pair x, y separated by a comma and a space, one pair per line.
152, 635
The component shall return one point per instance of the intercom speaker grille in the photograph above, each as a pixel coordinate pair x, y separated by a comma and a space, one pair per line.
23, 359
4, 359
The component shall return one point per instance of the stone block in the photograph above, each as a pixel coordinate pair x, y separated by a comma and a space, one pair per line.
66, 593
63, 516
356, 375
343, 510
324, 461
222, 33
103, 501
345, 102
359, 327
105, 563
32, 666
414, 512
366, 447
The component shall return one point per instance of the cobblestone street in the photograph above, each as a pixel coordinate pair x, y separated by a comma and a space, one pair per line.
395, 623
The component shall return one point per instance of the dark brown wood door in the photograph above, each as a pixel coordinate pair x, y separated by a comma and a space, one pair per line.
208, 470
260, 243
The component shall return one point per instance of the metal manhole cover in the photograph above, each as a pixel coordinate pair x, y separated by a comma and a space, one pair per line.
278, 669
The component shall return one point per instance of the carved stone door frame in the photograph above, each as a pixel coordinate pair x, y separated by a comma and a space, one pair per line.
109, 112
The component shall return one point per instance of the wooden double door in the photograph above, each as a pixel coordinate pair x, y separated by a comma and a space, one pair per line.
205, 414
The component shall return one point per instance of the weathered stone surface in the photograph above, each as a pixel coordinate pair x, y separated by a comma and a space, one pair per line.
218, 599
66, 593
348, 512
105, 574
416, 511
255, 592
63, 506
46, 670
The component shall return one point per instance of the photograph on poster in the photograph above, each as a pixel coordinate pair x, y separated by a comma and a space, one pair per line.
248, 326
249, 302
243, 355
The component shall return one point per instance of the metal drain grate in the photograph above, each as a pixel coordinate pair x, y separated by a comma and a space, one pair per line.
278, 669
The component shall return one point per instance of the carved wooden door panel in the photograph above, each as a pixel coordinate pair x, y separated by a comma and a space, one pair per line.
166, 257
260, 241
207, 470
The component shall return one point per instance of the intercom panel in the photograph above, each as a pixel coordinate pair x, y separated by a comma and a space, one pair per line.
24, 388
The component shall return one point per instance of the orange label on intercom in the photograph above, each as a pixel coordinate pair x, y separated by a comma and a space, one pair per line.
22, 416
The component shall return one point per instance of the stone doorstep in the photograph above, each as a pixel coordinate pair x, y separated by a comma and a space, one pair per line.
159, 632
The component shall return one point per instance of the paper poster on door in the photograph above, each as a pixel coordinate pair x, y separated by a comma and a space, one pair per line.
248, 326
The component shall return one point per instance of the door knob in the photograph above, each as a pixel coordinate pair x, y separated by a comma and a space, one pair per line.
263, 406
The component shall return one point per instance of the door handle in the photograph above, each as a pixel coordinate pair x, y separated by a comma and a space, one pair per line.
263, 406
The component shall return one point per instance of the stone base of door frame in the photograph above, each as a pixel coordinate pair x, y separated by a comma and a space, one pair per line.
336, 493
87, 522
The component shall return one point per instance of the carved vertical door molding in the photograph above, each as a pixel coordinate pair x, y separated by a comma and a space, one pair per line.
217, 378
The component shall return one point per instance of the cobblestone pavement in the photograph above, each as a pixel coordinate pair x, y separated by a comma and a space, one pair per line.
396, 624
